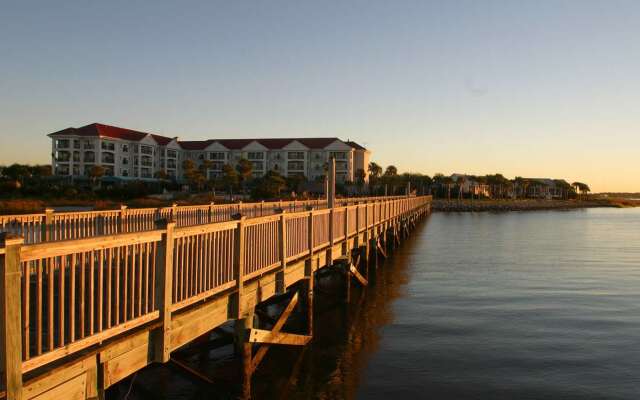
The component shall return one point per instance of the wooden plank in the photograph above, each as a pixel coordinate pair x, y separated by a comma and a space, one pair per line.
57, 377
74, 347
73, 389
269, 337
125, 364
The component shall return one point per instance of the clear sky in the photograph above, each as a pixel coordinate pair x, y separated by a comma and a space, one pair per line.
529, 88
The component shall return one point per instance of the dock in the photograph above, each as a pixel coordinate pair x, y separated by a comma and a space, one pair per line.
84, 311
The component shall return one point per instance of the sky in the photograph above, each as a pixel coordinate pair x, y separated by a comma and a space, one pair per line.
526, 88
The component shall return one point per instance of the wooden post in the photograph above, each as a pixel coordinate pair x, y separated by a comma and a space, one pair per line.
174, 213
211, 211
331, 189
10, 321
48, 227
238, 266
282, 248
122, 227
164, 288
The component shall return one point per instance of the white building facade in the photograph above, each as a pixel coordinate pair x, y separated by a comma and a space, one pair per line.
128, 154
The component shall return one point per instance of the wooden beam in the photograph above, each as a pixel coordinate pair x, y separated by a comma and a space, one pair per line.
354, 271
381, 248
164, 286
262, 351
270, 337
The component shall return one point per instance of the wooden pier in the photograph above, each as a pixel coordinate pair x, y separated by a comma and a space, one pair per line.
84, 311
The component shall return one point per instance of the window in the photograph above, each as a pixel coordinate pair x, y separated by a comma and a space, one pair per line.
146, 161
108, 158
171, 153
76, 156
217, 155
62, 143
89, 156
62, 170
88, 145
135, 160
76, 144
318, 156
171, 163
108, 170
125, 161
255, 155
125, 148
201, 156
295, 155
295, 166
341, 165
257, 165
146, 150
217, 166
338, 155
124, 172
109, 146
76, 170
62, 156
145, 173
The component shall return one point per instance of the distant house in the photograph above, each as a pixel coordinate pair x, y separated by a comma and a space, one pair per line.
543, 188
471, 185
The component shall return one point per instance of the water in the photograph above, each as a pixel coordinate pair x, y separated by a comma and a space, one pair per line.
537, 305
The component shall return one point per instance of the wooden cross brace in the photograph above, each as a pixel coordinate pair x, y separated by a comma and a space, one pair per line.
275, 335
381, 248
355, 273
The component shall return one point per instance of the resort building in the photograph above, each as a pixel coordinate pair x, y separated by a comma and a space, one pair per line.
129, 154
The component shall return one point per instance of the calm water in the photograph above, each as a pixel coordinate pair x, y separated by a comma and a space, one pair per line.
538, 305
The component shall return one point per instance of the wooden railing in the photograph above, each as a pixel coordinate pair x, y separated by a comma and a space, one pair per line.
68, 295
52, 226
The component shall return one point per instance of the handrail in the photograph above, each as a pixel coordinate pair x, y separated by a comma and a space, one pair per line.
76, 293
55, 226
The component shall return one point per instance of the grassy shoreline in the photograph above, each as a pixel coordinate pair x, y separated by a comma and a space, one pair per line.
527, 204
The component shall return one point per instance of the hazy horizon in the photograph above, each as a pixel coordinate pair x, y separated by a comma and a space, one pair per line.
533, 89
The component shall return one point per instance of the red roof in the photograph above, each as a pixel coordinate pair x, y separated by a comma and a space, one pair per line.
102, 130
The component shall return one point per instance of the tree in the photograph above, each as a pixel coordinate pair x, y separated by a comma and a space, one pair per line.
96, 172
193, 175
391, 171
162, 174
360, 177
375, 171
17, 172
269, 186
229, 178
244, 169
581, 188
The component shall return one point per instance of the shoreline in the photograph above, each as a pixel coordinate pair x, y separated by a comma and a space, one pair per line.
467, 205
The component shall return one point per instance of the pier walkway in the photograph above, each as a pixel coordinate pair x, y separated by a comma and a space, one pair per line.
84, 311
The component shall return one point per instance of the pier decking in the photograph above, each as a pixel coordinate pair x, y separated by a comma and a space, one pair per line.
90, 298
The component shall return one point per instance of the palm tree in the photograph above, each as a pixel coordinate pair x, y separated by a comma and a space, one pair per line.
375, 171
581, 188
